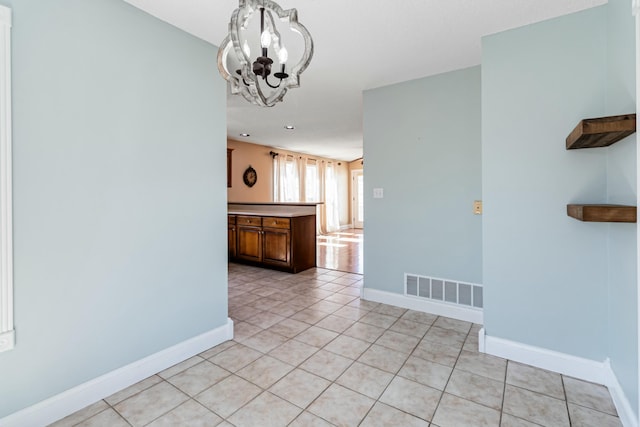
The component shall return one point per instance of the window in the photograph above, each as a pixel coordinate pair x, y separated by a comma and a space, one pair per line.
7, 335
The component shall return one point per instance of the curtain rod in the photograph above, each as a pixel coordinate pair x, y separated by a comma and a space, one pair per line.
273, 154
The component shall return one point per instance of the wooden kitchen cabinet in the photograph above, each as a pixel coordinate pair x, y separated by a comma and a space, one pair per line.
276, 235
281, 243
249, 239
233, 236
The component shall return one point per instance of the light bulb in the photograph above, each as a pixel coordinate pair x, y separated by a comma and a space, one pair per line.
283, 55
246, 49
265, 39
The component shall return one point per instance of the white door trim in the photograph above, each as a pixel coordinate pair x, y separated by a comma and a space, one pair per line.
355, 199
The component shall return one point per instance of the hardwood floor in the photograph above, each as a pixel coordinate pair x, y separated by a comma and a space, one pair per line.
342, 251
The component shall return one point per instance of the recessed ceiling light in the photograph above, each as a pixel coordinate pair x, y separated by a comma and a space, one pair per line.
289, 127
244, 135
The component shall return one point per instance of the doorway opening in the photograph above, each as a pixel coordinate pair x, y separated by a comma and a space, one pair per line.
342, 250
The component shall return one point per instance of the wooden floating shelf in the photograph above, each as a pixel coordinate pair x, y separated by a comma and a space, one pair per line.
601, 132
602, 213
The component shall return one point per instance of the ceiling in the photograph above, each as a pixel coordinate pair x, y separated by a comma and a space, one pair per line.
359, 45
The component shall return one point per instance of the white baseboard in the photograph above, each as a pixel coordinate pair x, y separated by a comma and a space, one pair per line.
419, 304
620, 400
72, 400
565, 364
346, 227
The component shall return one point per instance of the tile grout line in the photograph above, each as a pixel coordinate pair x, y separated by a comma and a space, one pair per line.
566, 400
504, 390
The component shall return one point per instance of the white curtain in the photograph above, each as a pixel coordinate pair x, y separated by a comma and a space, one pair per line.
311, 184
328, 215
301, 170
331, 200
300, 179
321, 217
286, 179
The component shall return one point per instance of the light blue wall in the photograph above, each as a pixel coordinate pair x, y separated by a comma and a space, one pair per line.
119, 195
621, 188
545, 273
552, 281
422, 146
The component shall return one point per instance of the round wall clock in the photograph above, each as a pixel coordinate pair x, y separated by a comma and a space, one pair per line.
250, 176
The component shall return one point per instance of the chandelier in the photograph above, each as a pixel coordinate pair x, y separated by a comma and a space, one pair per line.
253, 78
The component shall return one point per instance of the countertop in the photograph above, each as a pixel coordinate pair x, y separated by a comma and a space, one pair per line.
286, 210
282, 214
276, 203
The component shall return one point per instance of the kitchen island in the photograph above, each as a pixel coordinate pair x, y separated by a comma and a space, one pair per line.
281, 236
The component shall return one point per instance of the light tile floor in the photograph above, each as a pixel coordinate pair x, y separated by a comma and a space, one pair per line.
308, 352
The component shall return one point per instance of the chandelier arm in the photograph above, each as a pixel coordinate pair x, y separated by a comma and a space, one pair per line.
266, 79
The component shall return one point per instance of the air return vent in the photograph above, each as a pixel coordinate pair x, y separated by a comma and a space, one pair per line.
443, 290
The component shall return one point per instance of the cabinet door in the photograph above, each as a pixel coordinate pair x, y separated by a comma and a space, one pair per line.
232, 241
249, 243
233, 236
276, 246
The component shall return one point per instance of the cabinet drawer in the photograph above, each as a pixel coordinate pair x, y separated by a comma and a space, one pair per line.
250, 220
273, 222
232, 219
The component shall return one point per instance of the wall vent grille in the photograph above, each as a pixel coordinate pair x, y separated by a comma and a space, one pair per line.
443, 290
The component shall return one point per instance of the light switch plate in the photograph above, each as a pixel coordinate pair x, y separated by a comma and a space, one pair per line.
477, 207
378, 193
